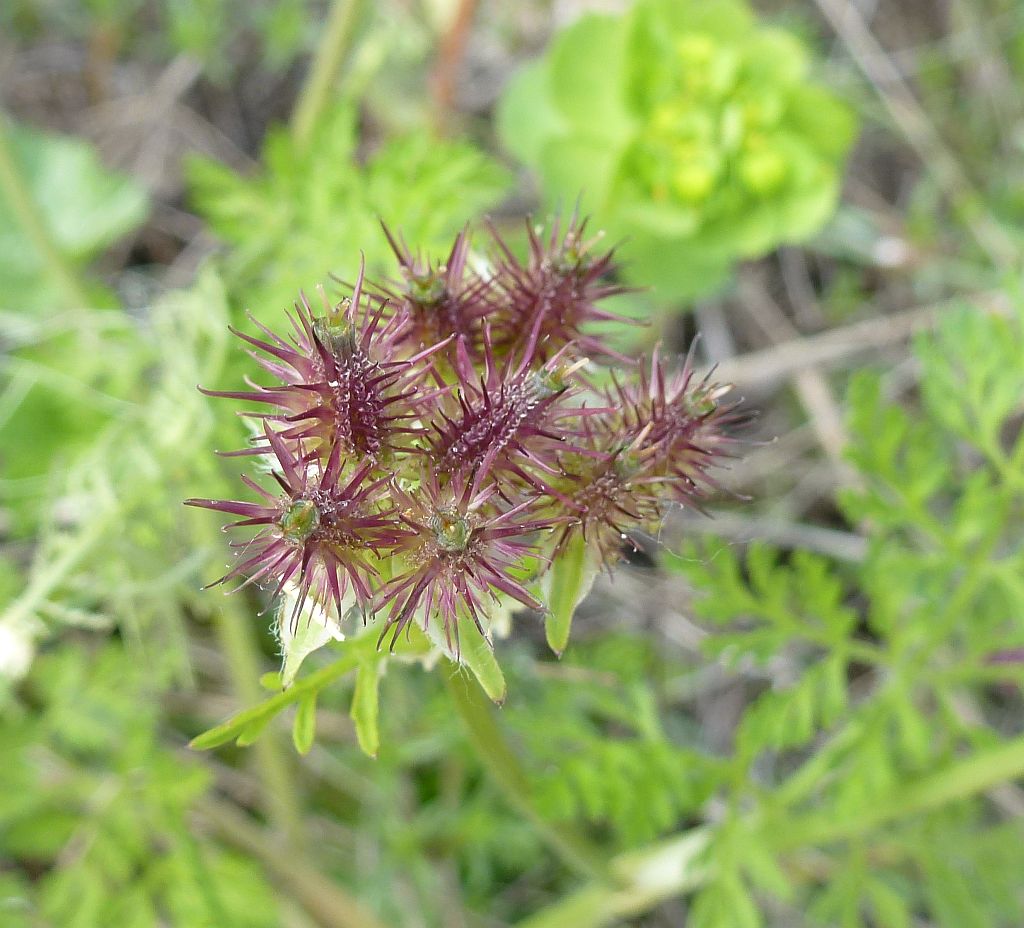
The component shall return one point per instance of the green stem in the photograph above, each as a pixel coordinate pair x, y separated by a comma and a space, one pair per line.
15, 191
313, 683
234, 632
504, 769
339, 32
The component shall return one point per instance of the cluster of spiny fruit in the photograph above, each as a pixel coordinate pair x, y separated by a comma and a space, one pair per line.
437, 441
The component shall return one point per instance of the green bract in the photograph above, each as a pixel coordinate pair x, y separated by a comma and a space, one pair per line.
687, 127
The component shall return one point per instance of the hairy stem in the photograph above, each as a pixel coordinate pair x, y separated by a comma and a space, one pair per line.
502, 766
15, 191
339, 32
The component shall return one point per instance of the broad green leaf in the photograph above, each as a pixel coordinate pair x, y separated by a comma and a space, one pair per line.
728, 20
690, 130
83, 206
584, 163
526, 119
672, 269
592, 55
815, 114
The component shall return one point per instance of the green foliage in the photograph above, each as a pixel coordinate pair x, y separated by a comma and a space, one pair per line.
245, 727
602, 755
82, 207
98, 809
865, 784
95, 807
886, 667
362, 655
690, 130
312, 212
65, 377
113, 548
57, 204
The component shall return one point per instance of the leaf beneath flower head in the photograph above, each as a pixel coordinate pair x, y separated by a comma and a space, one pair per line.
476, 653
567, 583
366, 704
304, 726
313, 628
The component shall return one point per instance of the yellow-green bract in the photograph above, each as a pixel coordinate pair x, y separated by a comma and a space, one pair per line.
689, 128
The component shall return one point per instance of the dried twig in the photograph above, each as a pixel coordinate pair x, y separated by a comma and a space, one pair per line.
833, 543
767, 367
911, 118
449, 59
811, 386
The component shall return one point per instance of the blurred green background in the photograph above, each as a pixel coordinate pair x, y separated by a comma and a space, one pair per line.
804, 711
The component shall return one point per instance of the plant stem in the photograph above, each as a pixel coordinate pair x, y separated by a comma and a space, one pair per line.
236, 641
339, 32
15, 191
312, 683
504, 769
449, 57
329, 905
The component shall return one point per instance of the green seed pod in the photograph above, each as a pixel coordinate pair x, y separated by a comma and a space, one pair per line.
299, 520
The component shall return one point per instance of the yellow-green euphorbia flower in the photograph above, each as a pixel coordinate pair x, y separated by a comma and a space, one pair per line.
688, 128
